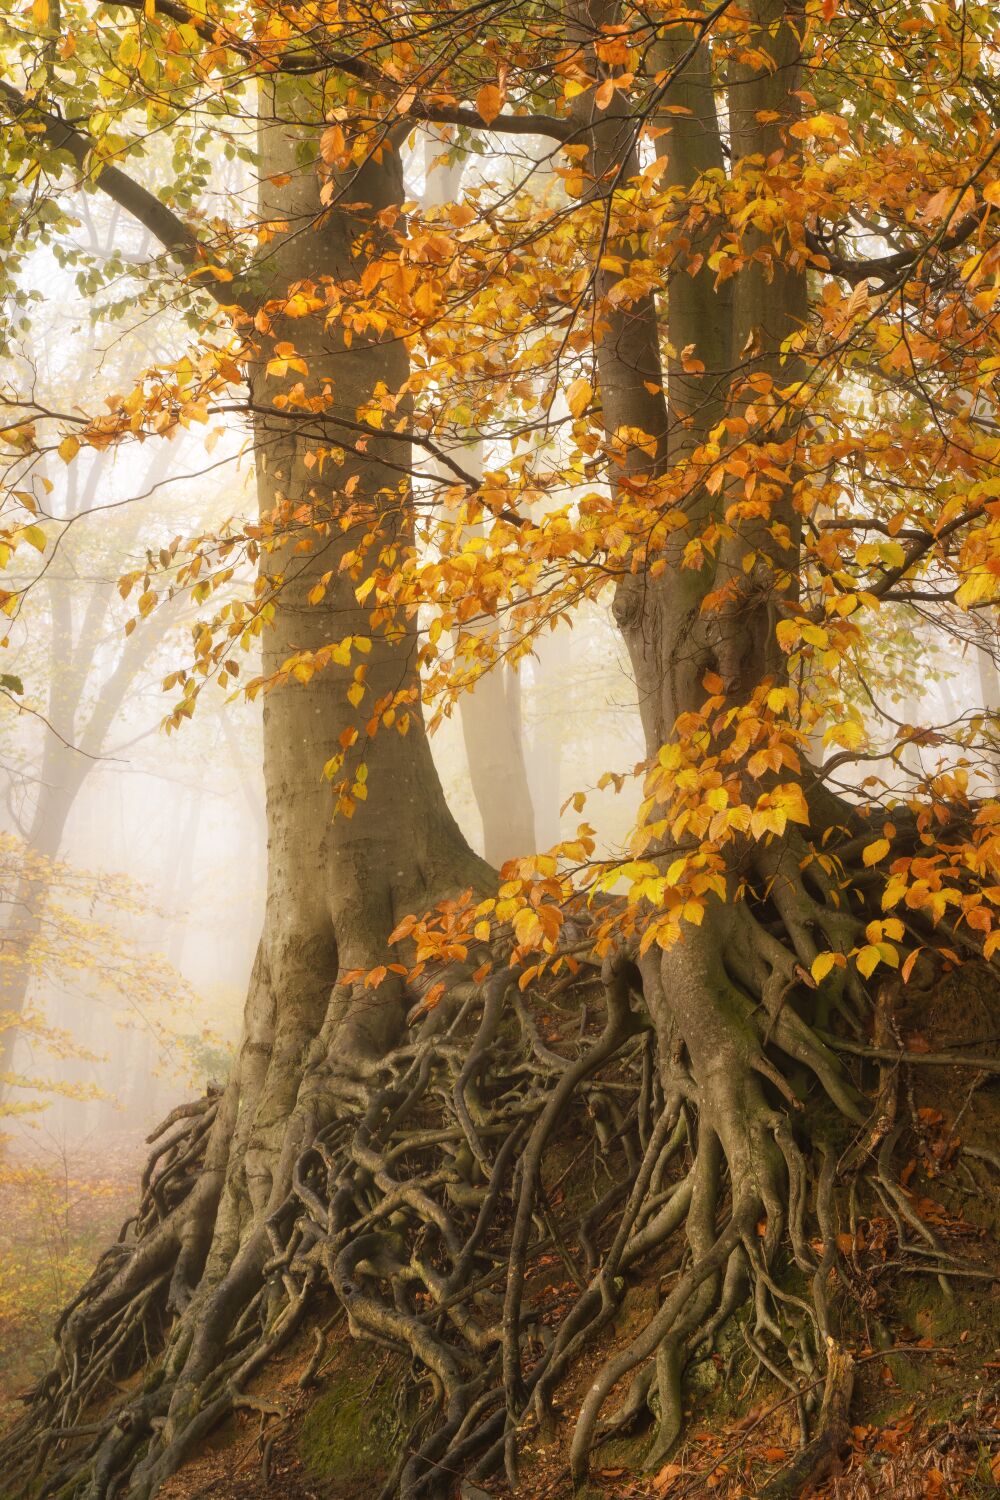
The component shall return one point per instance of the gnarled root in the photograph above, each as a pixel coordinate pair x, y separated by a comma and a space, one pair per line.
699, 1123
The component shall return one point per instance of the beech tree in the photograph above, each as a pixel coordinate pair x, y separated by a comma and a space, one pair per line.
733, 328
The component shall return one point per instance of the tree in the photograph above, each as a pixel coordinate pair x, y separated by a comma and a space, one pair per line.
336, 887
75, 737
768, 449
490, 708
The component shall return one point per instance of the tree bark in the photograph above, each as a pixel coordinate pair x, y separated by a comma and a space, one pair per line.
337, 885
698, 990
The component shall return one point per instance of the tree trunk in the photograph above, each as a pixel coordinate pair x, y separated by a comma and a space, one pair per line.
491, 712
699, 988
74, 739
337, 885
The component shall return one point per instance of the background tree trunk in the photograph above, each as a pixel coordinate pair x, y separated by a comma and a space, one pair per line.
75, 737
491, 713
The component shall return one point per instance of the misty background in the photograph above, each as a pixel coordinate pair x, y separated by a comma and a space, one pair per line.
134, 860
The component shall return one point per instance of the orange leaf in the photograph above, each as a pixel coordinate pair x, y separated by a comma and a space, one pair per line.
403, 929
489, 102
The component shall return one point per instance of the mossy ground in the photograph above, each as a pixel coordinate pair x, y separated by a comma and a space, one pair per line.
353, 1428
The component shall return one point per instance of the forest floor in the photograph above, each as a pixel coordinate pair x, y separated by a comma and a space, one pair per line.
926, 1404
61, 1203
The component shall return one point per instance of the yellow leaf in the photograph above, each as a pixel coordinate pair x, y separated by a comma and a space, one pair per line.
876, 851
527, 928
355, 693
972, 265
790, 798
579, 396
489, 102
868, 959
36, 536
69, 448
821, 966
425, 299
787, 632
979, 585
849, 733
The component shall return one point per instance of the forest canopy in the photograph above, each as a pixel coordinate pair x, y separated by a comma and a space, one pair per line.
675, 322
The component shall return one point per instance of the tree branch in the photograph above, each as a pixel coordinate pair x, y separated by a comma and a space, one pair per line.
177, 238
885, 267
322, 61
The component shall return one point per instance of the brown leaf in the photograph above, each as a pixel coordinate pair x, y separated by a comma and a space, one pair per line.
664, 1481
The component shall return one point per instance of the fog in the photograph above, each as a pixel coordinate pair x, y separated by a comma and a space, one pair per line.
150, 845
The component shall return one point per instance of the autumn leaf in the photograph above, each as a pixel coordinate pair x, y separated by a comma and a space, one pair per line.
406, 100
665, 1478
875, 851
822, 964
868, 959
579, 396
34, 536
489, 102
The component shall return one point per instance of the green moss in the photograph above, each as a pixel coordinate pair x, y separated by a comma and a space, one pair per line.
351, 1430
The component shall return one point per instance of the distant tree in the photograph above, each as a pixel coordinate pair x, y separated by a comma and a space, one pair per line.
735, 340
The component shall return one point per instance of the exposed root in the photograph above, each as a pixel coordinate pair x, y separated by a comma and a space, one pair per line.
820, 1455
697, 1120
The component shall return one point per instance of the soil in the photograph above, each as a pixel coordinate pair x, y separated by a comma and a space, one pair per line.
926, 1403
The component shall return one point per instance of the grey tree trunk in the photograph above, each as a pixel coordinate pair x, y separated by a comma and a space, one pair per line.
336, 885
671, 642
491, 713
